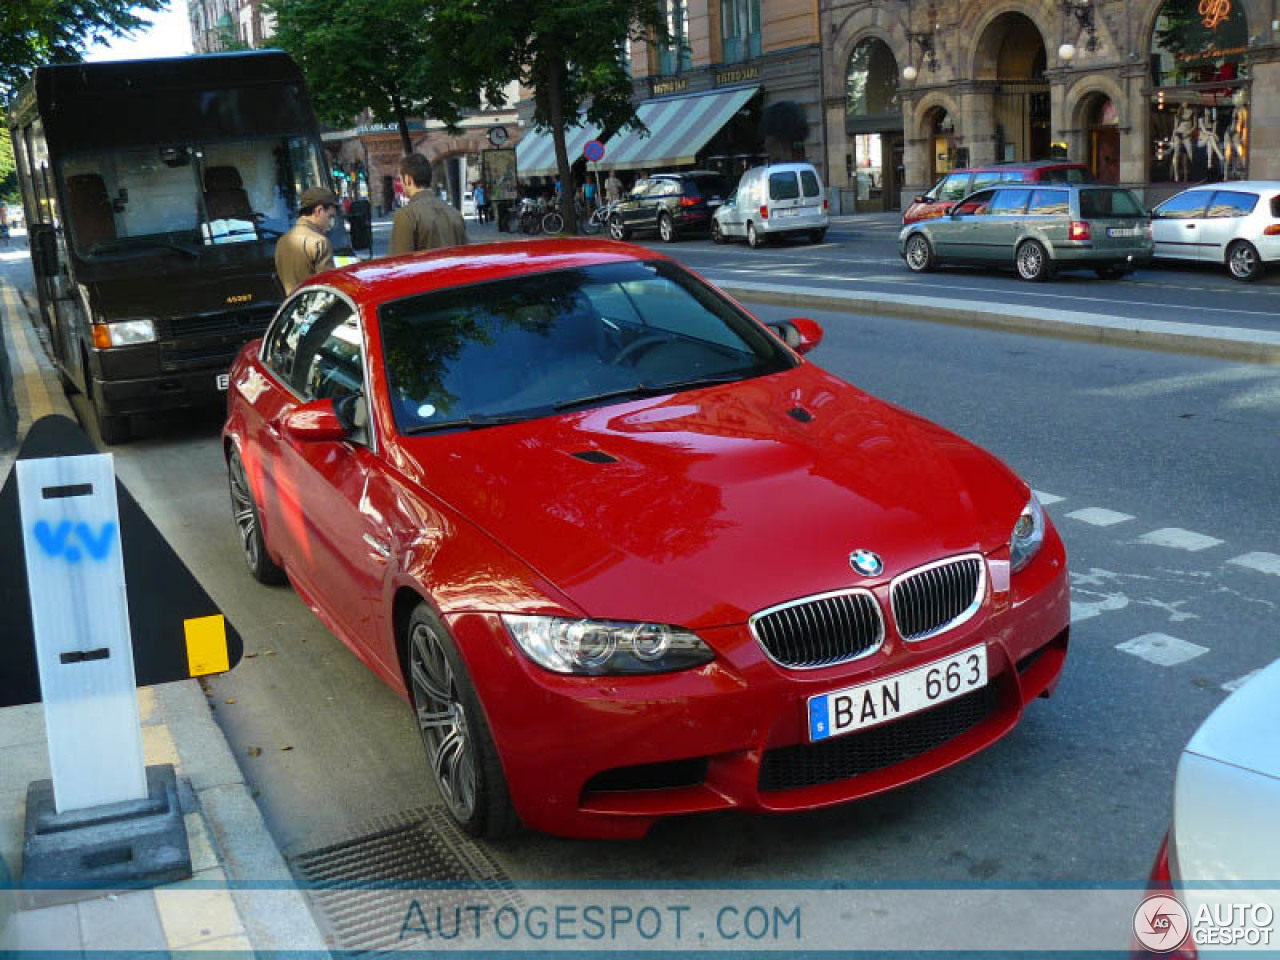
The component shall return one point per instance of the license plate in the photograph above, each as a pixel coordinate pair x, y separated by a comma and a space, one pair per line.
1124, 231
223, 380
870, 704
788, 212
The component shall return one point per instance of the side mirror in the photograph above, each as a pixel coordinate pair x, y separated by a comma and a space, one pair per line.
317, 421
799, 333
44, 250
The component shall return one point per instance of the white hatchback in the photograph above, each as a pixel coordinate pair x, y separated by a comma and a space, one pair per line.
778, 200
1236, 223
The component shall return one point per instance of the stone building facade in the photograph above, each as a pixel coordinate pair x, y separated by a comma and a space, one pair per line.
1151, 94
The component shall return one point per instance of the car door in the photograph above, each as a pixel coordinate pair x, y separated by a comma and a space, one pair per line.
733, 219
954, 234
1222, 222
953, 188
784, 198
340, 488
632, 210
1175, 225
996, 231
1048, 215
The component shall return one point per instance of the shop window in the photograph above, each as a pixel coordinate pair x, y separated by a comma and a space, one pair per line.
740, 34
1200, 98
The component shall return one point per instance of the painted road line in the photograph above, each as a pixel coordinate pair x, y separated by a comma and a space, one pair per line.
1231, 686
1088, 609
1162, 649
1179, 539
1147, 389
1099, 517
1262, 562
1047, 498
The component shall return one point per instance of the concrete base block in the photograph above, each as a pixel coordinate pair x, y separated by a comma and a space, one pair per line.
80, 853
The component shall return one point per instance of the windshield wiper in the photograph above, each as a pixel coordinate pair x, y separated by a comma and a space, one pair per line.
476, 421
641, 390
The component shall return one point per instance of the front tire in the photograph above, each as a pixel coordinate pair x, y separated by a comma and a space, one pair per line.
717, 235
244, 510
112, 428
460, 749
1033, 261
1243, 262
754, 239
817, 236
919, 254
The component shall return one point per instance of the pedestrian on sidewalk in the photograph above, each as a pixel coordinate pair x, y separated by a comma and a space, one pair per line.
482, 203
424, 223
305, 250
613, 188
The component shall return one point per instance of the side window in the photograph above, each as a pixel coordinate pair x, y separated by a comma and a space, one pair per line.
1009, 201
329, 362
1185, 206
977, 205
641, 188
1013, 176
671, 188
810, 183
1275, 206
1232, 203
983, 180
282, 339
783, 186
1049, 203
953, 187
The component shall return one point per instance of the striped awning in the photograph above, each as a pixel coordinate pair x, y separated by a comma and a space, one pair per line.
678, 128
536, 152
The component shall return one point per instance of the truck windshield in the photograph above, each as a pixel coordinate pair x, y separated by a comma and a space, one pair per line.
125, 203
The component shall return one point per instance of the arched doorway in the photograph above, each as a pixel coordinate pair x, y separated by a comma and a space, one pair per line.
1011, 52
1102, 123
873, 122
940, 128
1200, 93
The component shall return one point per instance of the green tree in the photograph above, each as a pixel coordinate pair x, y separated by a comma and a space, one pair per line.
366, 54
33, 32
568, 52
8, 169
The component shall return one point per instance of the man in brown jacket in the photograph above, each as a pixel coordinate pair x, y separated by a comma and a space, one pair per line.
305, 250
424, 223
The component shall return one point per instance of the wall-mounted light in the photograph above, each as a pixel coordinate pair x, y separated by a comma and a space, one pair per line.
924, 39
1083, 12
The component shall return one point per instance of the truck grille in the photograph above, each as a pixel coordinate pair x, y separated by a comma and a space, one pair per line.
820, 631
938, 597
210, 339
808, 765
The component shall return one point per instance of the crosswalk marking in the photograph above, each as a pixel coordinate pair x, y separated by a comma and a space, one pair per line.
1262, 562
1162, 649
1047, 498
1179, 539
1099, 517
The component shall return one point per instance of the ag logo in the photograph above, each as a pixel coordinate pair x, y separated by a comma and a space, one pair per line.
1161, 923
60, 542
866, 563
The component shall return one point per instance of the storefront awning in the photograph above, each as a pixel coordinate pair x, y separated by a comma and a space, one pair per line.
678, 128
536, 153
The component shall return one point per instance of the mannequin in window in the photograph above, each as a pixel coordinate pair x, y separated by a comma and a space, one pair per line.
1234, 160
1180, 143
1207, 135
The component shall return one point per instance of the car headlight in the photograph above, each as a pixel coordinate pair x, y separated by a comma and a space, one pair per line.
124, 333
596, 647
1028, 534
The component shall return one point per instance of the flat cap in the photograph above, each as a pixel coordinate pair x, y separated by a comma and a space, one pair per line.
318, 195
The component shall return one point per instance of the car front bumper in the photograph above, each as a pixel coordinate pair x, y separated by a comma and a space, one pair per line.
609, 756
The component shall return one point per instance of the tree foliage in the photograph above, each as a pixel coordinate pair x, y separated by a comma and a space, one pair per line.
568, 52
362, 55
33, 32
8, 169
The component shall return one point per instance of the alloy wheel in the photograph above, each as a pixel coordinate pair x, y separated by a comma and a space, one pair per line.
243, 512
442, 721
918, 253
1030, 261
615, 228
666, 230
1242, 261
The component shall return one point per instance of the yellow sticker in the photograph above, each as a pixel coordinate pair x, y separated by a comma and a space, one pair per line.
207, 645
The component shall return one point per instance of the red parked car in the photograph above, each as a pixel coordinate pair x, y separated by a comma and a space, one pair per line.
626, 552
958, 184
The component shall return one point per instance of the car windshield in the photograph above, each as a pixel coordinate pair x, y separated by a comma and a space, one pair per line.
536, 345
1103, 204
124, 203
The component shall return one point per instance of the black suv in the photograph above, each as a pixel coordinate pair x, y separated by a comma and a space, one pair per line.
671, 204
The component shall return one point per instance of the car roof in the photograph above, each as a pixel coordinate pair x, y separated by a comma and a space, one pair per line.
682, 174
390, 278
1234, 185
1026, 165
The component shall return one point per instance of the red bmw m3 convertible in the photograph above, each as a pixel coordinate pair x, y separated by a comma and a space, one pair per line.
623, 549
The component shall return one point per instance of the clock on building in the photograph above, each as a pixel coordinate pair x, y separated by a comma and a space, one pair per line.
498, 136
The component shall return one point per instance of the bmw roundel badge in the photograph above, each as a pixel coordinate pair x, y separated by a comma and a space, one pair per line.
866, 563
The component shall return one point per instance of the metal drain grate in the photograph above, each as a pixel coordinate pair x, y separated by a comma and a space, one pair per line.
361, 888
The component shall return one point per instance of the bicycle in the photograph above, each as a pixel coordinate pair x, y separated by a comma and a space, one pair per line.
598, 220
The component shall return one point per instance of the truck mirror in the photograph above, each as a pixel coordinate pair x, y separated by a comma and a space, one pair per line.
44, 250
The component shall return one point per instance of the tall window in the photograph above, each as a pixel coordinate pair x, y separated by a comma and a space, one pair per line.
675, 55
739, 30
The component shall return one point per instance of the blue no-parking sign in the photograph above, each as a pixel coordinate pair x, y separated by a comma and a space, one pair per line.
593, 150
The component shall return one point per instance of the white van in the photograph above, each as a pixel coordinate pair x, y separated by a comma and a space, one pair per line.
778, 200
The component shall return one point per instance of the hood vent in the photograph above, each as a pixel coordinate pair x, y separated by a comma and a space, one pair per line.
594, 456
800, 413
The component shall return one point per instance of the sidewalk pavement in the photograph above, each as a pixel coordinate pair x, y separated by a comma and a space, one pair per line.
242, 896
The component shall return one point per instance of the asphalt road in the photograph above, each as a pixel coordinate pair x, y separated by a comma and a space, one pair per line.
1078, 793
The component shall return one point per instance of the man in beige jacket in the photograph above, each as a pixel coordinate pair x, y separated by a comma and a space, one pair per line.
305, 250
424, 223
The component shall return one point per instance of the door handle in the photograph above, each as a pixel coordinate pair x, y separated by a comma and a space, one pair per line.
1191, 226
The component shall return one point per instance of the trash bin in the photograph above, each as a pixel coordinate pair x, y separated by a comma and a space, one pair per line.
360, 225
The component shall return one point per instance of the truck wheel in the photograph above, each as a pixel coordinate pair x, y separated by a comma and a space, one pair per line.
112, 428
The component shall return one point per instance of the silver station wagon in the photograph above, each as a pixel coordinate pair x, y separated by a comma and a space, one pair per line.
1236, 224
1036, 230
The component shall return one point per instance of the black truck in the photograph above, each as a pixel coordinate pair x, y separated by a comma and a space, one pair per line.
155, 191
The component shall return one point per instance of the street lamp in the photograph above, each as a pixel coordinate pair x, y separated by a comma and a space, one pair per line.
1066, 52
1083, 12
909, 73
924, 39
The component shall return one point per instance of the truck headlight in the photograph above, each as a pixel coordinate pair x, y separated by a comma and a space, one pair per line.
1028, 535
602, 647
124, 333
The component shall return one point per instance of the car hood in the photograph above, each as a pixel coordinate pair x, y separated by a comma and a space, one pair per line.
703, 507
1241, 731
